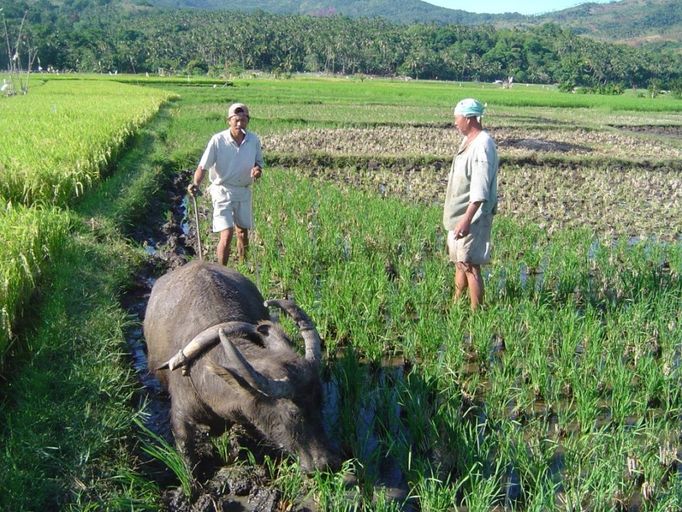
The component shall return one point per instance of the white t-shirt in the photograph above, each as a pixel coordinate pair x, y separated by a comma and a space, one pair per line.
229, 164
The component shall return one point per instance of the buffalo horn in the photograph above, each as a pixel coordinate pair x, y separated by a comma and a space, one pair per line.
242, 369
313, 344
203, 341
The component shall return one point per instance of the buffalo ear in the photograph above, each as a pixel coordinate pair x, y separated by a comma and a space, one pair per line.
227, 374
246, 375
273, 337
232, 377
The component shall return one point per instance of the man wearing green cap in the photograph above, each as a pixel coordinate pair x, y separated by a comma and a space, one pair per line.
471, 201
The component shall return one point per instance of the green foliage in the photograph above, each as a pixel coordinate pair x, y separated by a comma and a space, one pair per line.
161, 450
196, 67
567, 86
654, 87
676, 88
107, 39
654, 24
605, 89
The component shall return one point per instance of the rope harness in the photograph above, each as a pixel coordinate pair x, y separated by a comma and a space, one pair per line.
186, 372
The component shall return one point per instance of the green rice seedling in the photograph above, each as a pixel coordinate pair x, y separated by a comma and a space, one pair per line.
653, 476
534, 460
222, 446
136, 492
383, 501
542, 498
333, 491
566, 260
289, 479
483, 490
622, 405
542, 383
356, 408
450, 357
601, 478
651, 386
435, 495
418, 397
158, 447
586, 402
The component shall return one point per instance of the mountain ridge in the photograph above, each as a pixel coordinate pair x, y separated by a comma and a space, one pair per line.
409, 11
632, 22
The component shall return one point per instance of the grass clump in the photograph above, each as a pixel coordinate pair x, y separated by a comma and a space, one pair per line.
31, 236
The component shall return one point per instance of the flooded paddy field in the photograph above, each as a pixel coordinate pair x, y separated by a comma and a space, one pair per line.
559, 395
562, 393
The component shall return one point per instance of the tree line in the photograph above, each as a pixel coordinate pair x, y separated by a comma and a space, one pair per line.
80, 35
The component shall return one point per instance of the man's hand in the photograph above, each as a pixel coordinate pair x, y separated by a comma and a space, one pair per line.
256, 172
193, 189
464, 225
462, 228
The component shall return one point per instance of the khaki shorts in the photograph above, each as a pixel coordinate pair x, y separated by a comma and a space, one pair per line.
230, 209
475, 247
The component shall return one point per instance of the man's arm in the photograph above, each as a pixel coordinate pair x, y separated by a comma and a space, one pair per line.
193, 188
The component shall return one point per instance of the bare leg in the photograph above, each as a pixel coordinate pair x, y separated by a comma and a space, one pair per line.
475, 282
224, 245
242, 243
460, 281
468, 276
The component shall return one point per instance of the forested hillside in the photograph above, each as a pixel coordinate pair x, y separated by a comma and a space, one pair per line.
636, 22
655, 23
79, 35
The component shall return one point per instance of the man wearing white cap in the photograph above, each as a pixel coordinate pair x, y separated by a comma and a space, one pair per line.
471, 201
234, 160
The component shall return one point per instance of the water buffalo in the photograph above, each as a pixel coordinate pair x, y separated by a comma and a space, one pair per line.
237, 365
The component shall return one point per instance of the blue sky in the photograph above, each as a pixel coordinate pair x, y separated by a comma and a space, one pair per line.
522, 6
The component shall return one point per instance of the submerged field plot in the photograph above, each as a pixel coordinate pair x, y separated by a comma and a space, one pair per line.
563, 393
